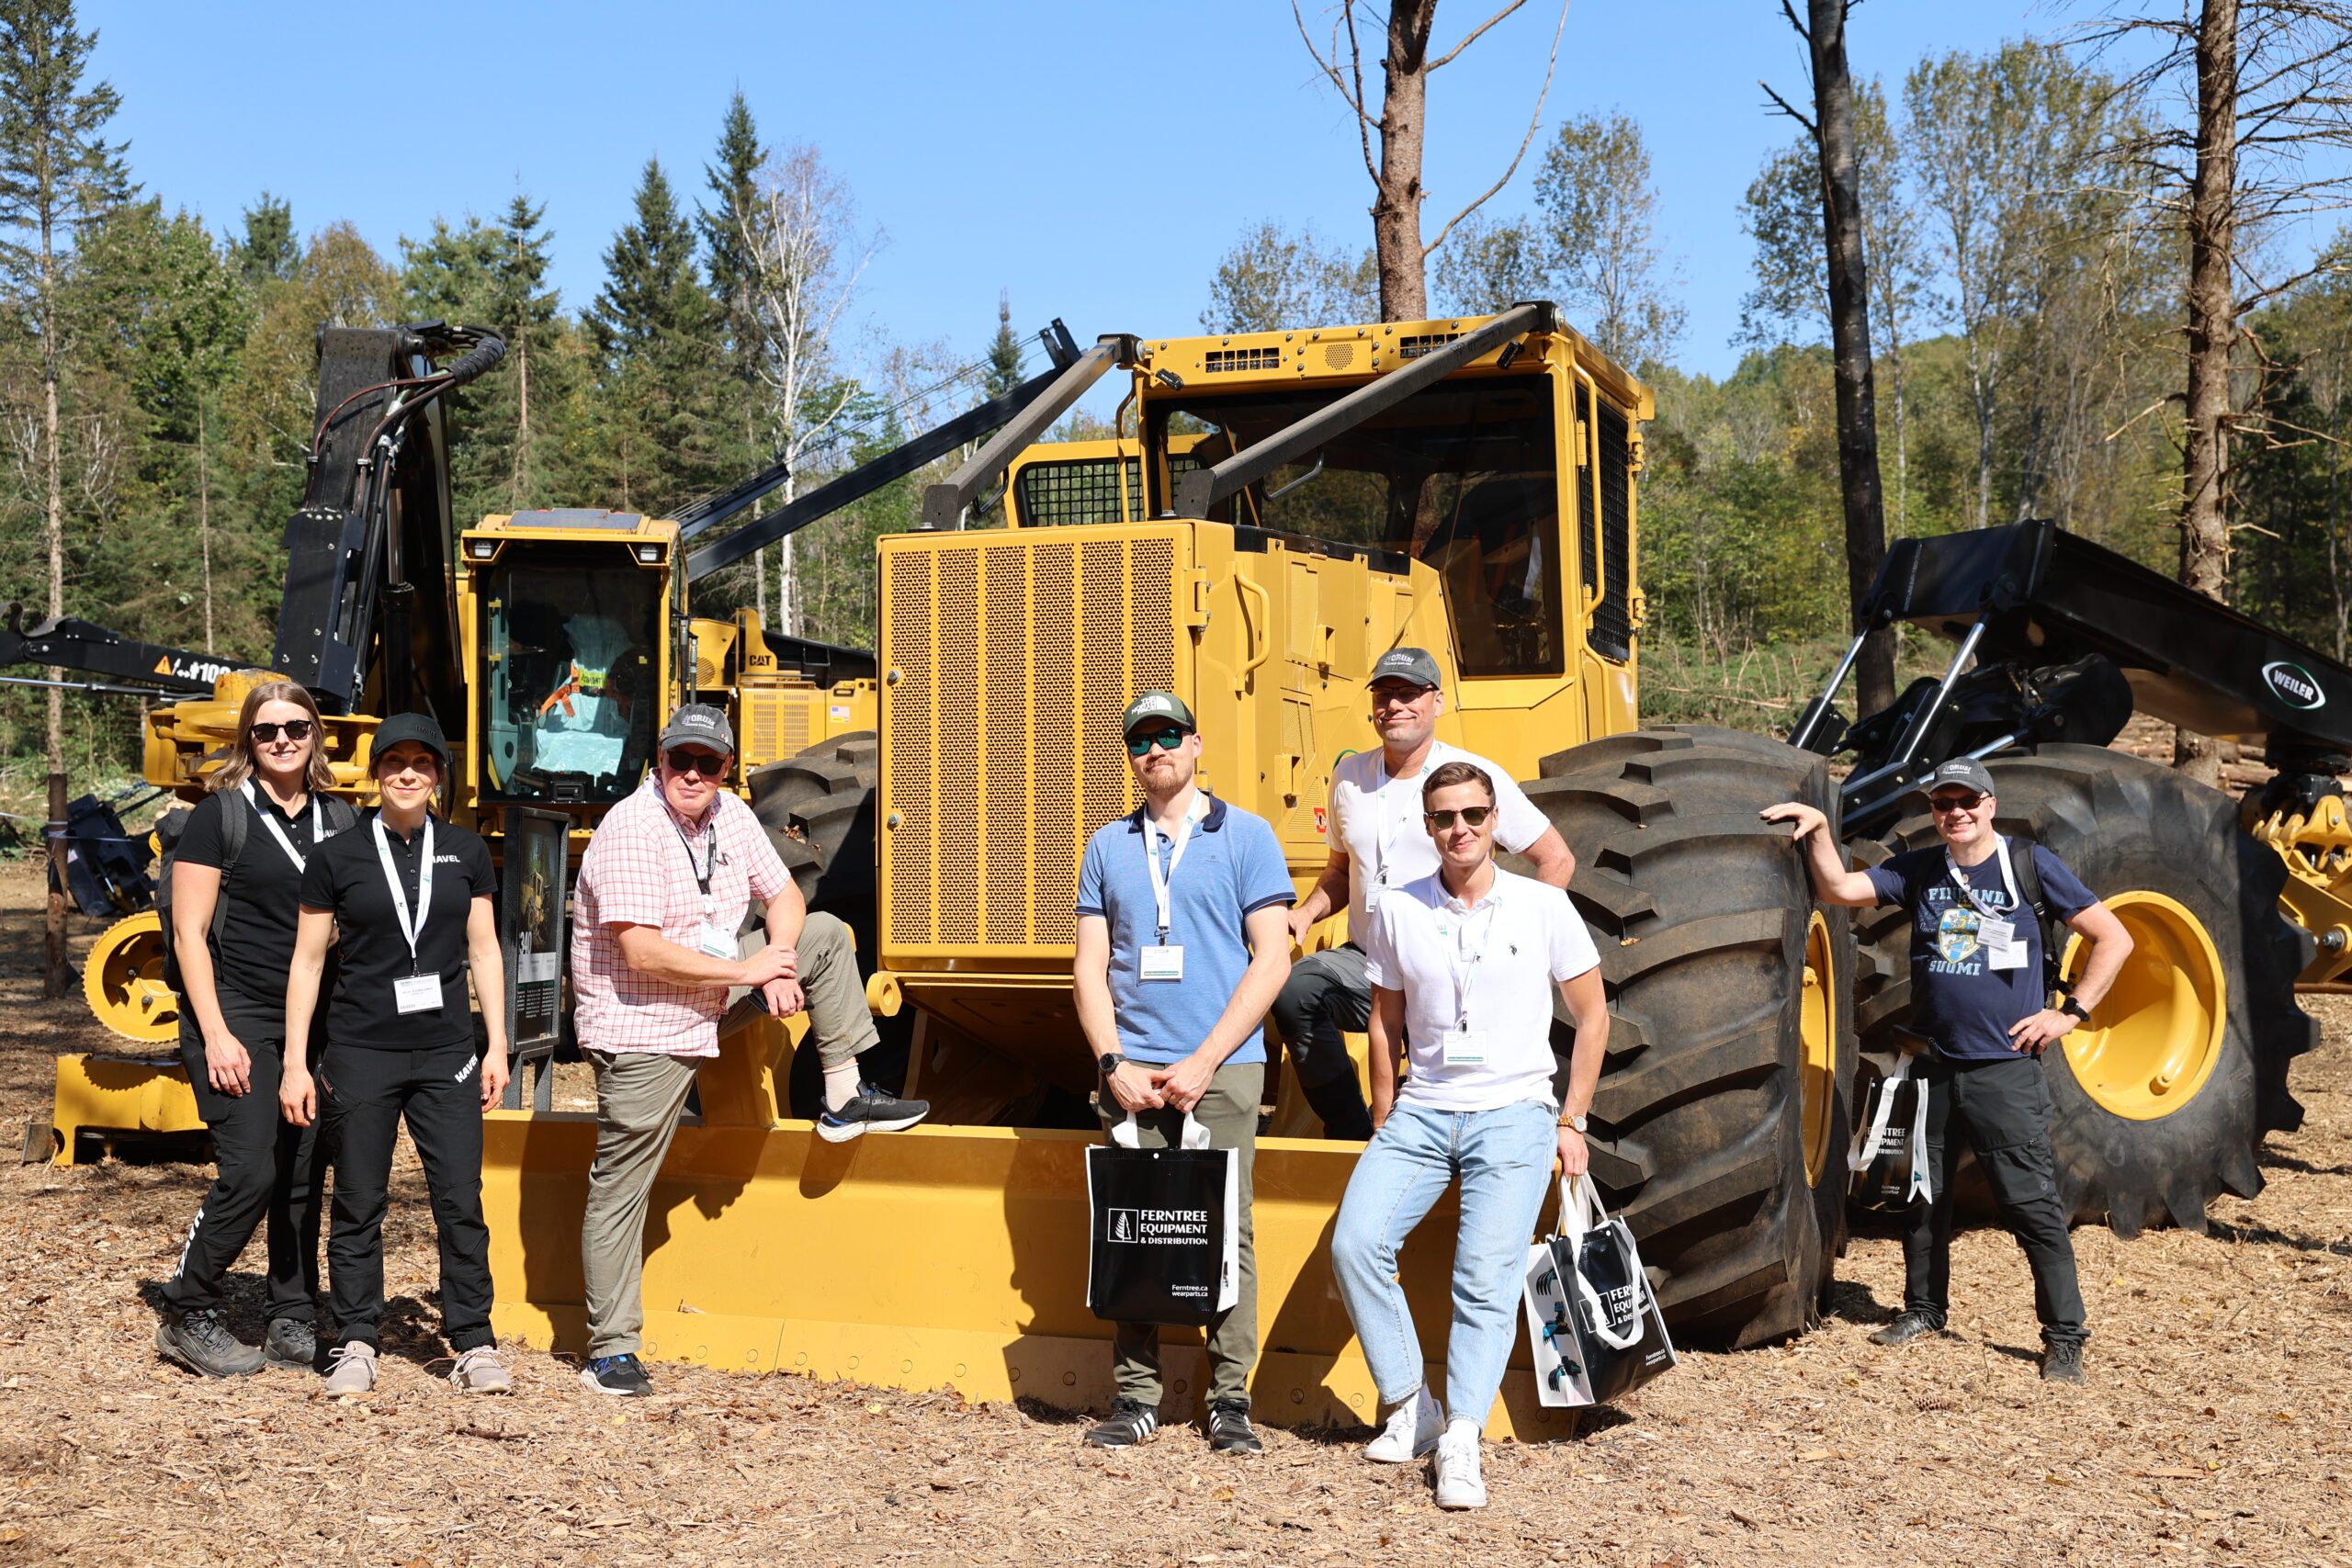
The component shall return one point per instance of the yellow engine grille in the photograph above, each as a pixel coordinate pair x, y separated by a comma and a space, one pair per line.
777, 722
1010, 656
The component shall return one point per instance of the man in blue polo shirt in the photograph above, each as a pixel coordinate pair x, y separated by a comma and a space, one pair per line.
1184, 942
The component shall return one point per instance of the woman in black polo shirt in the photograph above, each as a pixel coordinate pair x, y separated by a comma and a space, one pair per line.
408, 896
236, 875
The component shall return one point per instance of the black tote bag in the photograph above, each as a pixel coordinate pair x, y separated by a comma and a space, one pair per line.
1595, 1323
1166, 1245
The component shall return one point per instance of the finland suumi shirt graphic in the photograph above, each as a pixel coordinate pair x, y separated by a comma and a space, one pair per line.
346, 875
1959, 999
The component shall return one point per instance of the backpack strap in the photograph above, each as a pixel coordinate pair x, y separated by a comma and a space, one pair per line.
236, 822
2029, 893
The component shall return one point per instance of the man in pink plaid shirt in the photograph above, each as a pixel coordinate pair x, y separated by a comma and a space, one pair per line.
662, 893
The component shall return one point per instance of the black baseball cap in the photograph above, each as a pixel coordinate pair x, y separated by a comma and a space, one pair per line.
418, 727
1414, 664
699, 723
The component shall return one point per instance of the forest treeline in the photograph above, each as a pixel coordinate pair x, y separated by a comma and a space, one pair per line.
2026, 308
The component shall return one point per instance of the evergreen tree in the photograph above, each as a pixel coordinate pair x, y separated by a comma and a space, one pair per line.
663, 435
57, 173
723, 224
1002, 370
269, 250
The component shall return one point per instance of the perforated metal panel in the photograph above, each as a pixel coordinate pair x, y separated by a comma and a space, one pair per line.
1013, 656
777, 723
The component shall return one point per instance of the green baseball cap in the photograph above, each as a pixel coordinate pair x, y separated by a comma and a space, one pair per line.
1164, 707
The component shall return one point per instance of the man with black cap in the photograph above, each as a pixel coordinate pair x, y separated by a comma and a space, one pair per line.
1375, 828
1180, 948
663, 892
1980, 999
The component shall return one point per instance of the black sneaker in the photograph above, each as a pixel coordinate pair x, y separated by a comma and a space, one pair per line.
871, 1111
1229, 1430
202, 1343
623, 1375
2062, 1362
1131, 1421
1910, 1326
292, 1344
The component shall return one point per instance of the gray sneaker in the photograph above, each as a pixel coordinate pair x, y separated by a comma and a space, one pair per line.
351, 1371
202, 1343
292, 1344
481, 1371
2062, 1362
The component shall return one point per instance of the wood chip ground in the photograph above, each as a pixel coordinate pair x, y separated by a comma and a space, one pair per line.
2217, 1427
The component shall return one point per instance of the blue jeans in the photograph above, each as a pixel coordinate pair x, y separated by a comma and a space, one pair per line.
1503, 1158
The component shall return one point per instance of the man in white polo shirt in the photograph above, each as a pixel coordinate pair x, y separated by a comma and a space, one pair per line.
1464, 962
1377, 844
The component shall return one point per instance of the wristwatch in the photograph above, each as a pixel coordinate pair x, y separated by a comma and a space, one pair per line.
1575, 1122
2082, 1013
1109, 1062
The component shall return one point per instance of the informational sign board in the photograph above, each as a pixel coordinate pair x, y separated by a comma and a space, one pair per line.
532, 888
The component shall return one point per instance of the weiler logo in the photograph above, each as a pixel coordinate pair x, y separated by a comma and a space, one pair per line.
2293, 685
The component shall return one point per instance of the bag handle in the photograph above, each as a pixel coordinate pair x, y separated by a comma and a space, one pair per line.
1874, 1140
1128, 1135
1581, 1208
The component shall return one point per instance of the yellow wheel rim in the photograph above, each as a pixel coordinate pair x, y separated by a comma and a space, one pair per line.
2157, 1034
124, 982
1817, 1026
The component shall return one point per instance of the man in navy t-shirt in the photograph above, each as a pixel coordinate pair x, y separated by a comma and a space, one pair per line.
1978, 996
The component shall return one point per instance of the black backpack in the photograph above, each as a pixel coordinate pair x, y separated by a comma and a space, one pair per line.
236, 827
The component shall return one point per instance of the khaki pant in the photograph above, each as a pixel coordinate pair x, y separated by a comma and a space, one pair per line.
1229, 1111
639, 1095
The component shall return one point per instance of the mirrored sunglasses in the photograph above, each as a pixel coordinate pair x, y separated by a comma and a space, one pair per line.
1167, 739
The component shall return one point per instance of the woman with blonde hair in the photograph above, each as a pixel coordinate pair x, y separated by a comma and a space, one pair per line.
236, 881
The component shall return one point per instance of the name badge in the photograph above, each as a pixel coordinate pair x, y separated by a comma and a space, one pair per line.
1463, 1047
2009, 957
418, 993
1372, 900
716, 941
1997, 933
1162, 964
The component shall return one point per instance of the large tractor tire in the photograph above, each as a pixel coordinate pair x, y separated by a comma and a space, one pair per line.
2160, 1104
1721, 1124
817, 808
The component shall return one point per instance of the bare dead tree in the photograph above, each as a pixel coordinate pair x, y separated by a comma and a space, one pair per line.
1402, 126
2258, 86
804, 257
1831, 125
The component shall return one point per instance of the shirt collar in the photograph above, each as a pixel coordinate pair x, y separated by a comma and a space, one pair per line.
1212, 823
1453, 902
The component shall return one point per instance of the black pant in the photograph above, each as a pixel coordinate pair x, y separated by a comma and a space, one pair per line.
362, 1095
264, 1168
1328, 993
2004, 1107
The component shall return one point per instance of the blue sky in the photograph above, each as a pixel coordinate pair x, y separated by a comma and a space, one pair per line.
1094, 159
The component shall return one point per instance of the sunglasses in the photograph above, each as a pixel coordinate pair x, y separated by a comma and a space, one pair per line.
295, 729
701, 762
1474, 816
1968, 802
1167, 739
1384, 696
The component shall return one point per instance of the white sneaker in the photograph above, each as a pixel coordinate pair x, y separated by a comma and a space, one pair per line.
481, 1371
1411, 1430
1458, 1482
351, 1371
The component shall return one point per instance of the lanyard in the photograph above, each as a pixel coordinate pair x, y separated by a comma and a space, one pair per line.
1159, 880
269, 821
1390, 834
709, 860
410, 929
2008, 882
1463, 974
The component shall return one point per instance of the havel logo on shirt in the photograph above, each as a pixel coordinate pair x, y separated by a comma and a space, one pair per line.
449, 860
